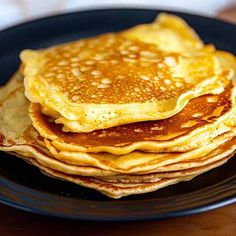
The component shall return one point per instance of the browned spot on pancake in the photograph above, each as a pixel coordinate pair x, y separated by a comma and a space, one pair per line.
40, 138
12, 94
10, 141
27, 135
2, 138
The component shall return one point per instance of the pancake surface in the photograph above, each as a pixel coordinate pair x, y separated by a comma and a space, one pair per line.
112, 79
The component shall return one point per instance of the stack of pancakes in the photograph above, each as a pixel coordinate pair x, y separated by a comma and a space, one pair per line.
123, 113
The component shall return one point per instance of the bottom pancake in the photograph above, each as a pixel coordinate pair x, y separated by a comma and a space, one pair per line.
149, 178
119, 189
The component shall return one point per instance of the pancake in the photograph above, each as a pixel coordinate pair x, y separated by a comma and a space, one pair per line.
113, 190
200, 121
227, 60
136, 161
112, 79
110, 189
154, 177
15, 124
169, 32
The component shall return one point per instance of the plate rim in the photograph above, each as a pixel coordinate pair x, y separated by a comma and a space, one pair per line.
121, 218
117, 8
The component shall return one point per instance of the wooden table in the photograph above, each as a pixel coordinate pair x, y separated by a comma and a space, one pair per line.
214, 223
217, 222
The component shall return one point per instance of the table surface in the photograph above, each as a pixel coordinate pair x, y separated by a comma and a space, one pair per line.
217, 222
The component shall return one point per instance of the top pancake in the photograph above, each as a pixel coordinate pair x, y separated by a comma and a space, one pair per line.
116, 79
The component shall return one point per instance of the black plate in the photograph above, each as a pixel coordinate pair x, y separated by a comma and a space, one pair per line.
24, 187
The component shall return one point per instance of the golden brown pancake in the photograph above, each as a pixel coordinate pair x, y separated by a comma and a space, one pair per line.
113, 79
15, 124
110, 189
227, 60
154, 177
137, 161
169, 33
